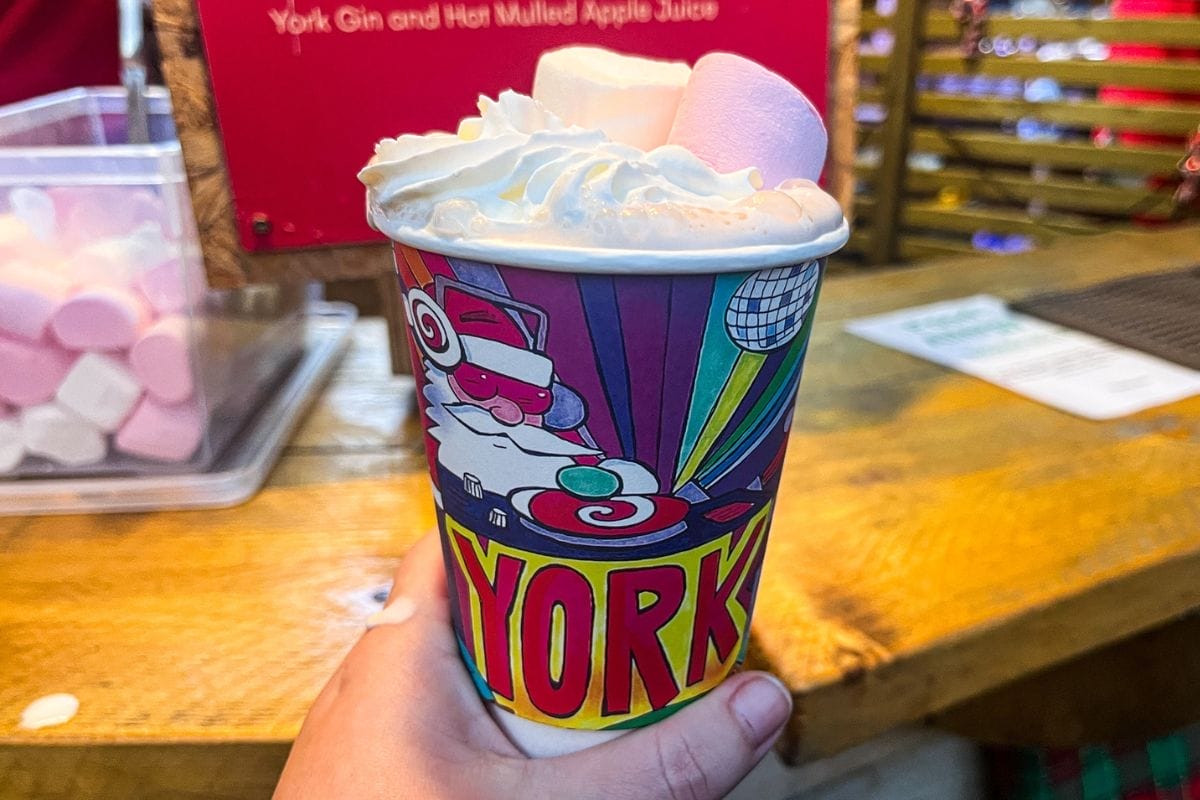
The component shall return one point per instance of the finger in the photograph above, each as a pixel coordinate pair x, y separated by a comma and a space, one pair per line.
400, 699
414, 621
419, 584
401, 695
383, 694
413, 633
700, 752
422, 573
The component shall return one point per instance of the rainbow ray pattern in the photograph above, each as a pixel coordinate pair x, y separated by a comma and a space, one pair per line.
674, 391
715, 368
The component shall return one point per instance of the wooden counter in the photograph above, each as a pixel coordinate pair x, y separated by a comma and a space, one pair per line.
936, 538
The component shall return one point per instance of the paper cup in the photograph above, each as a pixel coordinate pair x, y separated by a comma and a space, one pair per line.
605, 452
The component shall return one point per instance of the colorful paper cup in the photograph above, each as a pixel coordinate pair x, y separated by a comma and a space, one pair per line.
605, 452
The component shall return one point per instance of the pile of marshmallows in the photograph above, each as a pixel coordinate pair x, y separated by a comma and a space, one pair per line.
95, 339
729, 111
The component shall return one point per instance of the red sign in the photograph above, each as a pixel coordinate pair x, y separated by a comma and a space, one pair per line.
305, 88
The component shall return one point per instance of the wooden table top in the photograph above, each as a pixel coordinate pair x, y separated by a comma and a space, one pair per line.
936, 537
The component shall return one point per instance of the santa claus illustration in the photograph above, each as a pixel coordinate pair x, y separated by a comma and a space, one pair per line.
499, 414
503, 423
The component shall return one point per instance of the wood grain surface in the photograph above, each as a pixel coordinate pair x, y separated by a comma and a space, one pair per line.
936, 538
1144, 685
141, 772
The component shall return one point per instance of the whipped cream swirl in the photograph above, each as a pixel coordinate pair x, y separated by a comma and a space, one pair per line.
517, 182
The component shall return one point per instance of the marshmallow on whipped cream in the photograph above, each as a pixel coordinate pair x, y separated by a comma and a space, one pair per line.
633, 100
519, 179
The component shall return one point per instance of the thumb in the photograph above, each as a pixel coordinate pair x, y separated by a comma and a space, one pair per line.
700, 752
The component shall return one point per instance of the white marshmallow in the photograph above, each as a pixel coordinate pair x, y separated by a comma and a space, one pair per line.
12, 449
50, 431
150, 247
631, 99
36, 209
100, 389
119, 260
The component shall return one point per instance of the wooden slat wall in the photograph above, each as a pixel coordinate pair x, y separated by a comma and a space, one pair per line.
984, 177
1148, 75
901, 94
843, 83
1171, 31
1176, 120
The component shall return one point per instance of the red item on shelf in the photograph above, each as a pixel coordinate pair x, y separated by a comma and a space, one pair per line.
1131, 51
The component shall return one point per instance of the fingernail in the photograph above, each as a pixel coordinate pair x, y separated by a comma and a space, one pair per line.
762, 705
398, 611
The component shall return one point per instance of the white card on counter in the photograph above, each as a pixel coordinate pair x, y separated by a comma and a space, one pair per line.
1063, 368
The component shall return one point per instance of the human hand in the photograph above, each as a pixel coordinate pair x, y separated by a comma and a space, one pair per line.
401, 718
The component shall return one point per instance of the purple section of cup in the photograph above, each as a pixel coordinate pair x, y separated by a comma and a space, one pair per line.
564, 305
604, 425
641, 313
683, 343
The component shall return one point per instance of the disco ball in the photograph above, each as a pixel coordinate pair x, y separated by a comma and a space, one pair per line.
767, 311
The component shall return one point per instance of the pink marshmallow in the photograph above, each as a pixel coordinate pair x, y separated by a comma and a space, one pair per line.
28, 300
173, 286
162, 360
30, 372
100, 318
162, 432
736, 114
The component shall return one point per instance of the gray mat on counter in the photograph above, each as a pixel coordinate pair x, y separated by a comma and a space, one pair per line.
1157, 314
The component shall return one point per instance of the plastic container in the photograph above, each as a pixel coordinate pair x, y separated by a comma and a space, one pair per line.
115, 357
242, 467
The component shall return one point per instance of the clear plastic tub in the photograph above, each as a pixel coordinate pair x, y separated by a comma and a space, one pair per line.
115, 357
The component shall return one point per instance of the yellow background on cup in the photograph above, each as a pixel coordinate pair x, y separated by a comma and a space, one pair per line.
676, 636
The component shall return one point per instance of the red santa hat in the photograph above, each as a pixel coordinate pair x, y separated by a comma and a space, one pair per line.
470, 327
